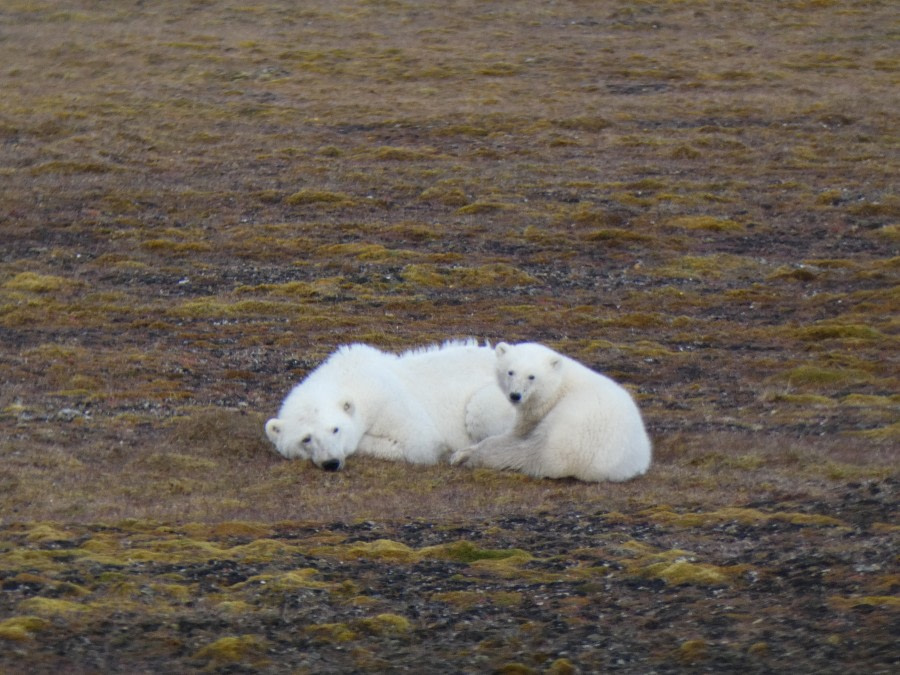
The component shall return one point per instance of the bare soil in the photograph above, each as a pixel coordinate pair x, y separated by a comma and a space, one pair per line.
202, 200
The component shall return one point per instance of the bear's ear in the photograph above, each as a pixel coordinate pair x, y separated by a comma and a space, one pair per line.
349, 407
501, 349
555, 362
274, 427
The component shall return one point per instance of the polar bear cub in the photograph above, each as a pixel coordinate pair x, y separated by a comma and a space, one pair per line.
570, 421
417, 406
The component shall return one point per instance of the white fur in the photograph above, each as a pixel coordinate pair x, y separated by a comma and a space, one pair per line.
570, 421
417, 406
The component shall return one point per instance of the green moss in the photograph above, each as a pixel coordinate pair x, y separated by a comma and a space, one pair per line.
890, 232
515, 668
614, 236
707, 223
172, 592
51, 607
179, 549
506, 598
67, 167
842, 471
381, 549
683, 572
708, 267
232, 649
213, 307
683, 151
285, 581
446, 195
835, 331
850, 602
466, 552
691, 651
494, 275
385, 625
389, 152
312, 196
332, 632
561, 667
237, 607
323, 287
795, 273
885, 433
43, 532
498, 69
868, 400
22, 628
801, 399
367, 252
262, 550
819, 376
481, 207
588, 215
31, 282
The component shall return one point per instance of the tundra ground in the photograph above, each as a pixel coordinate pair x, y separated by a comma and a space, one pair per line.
201, 200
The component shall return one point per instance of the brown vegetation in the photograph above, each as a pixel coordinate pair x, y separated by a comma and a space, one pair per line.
202, 200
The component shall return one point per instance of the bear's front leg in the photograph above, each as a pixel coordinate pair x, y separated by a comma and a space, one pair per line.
461, 456
507, 451
380, 446
475, 455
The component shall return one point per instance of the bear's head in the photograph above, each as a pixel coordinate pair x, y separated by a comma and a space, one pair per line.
327, 435
528, 373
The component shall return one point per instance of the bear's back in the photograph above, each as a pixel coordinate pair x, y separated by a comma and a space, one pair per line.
447, 363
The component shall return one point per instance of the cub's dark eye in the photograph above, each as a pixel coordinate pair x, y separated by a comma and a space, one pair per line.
511, 373
307, 439
335, 430
531, 377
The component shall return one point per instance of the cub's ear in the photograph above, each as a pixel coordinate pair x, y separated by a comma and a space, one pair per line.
501, 349
349, 408
274, 427
555, 362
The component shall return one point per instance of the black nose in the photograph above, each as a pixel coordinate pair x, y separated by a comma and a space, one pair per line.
515, 397
331, 465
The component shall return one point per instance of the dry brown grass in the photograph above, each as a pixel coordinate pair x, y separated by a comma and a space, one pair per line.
704, 217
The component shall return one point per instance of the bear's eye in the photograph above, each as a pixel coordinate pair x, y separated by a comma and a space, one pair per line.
531, 377
307, 439
511, 373
335, 430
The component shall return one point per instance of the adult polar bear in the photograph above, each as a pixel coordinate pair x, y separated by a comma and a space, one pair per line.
416, 406
571, 421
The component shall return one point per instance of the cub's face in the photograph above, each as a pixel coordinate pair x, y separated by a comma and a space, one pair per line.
324, 435
527, 373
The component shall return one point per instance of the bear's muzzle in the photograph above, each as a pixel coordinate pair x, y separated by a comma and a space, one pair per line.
331, 464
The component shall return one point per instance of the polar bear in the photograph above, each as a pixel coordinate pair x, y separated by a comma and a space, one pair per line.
417, 406
570, 421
